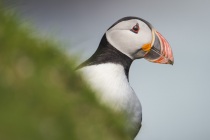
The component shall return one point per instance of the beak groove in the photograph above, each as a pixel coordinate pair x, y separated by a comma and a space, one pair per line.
160, 51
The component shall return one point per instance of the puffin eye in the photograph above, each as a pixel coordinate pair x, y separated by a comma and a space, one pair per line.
135, 28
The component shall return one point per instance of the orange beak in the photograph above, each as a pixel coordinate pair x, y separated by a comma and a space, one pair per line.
160, 51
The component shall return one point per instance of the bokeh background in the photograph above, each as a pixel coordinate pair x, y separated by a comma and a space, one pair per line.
175, 99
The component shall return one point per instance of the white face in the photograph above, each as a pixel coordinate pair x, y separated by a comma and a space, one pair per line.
126, 41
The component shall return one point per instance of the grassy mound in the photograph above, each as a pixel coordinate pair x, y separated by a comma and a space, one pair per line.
41, 97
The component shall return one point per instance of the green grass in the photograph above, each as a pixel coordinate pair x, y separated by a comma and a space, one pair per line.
41, 96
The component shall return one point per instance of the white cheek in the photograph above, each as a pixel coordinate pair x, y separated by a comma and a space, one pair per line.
145, 35
124, 40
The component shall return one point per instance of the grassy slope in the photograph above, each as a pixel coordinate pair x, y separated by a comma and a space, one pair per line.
41, 97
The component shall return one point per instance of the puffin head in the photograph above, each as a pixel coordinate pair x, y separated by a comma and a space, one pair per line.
136, 38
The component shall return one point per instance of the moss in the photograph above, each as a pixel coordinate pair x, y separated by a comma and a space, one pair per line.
41, 96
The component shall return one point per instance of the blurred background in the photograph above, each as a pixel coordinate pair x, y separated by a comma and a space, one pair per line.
175, 99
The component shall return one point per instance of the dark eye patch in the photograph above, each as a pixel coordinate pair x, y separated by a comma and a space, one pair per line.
135, 28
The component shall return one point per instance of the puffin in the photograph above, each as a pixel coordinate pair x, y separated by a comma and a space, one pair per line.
107, 70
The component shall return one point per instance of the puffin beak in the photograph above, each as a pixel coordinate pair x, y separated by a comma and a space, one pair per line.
160, 50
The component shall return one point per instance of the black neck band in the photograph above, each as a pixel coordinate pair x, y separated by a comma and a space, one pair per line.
106, 53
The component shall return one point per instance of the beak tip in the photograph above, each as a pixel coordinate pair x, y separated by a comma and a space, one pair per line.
171, 62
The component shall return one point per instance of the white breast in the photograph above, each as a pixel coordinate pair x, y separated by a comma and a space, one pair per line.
113, 89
